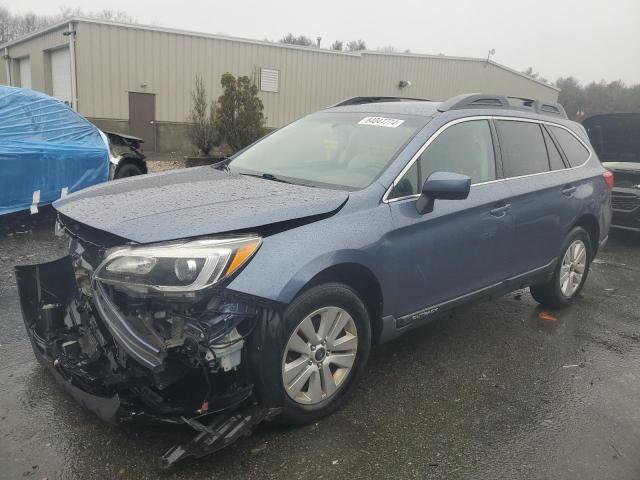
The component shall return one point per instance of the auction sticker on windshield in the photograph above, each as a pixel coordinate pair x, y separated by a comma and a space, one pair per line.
381, 122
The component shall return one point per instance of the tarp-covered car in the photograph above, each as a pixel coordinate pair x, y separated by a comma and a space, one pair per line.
47, 151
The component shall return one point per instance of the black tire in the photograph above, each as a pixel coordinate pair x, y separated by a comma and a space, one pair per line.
330, 294
127, 170
550, 294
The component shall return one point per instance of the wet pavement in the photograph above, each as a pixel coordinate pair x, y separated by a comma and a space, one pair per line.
492, 392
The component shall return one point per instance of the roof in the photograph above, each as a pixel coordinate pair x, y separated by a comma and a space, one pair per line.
63, 23
497, 104
423, 109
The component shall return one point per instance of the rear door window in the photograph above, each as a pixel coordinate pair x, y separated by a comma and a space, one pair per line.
575, 151
523, 147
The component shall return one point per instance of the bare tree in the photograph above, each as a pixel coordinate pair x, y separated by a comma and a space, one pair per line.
355, 45
17, 25
337, 45
291, 39
533, 74
387, 49
202, 132
114, 16
13, 26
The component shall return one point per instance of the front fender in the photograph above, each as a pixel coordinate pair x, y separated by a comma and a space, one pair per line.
332, 259
287, 261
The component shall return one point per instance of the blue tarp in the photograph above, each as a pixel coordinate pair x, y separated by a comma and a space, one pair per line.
45, 147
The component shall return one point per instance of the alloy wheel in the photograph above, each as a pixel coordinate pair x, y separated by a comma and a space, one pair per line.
572, 268
319, 355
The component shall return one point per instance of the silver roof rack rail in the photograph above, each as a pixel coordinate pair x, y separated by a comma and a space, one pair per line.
363, 100
483, 100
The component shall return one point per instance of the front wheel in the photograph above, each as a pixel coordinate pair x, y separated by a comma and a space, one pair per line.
570, 273
127, 170
324, 346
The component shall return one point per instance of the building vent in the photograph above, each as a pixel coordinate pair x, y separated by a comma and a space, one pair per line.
269, 80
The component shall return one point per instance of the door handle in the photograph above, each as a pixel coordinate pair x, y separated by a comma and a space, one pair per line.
500, 209
569, 190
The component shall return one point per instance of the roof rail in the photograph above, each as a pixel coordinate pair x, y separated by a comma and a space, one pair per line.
483, 100
362, 100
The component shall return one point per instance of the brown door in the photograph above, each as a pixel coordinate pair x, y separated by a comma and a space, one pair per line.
142, 116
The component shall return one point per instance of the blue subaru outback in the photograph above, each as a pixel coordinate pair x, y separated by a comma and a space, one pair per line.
218, 297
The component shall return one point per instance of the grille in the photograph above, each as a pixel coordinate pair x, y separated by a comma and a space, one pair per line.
625, 203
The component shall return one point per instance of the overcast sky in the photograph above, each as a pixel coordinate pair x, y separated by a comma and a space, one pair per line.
589, 39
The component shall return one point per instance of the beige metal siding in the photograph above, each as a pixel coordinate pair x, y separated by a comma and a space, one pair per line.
112, 60
38, 50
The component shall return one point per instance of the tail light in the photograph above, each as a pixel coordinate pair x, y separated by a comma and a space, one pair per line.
608, 178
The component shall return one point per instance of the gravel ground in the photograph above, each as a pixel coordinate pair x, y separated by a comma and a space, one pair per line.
492, 392
163, 165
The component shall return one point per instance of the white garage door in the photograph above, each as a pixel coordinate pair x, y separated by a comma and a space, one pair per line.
61, 74
25, 72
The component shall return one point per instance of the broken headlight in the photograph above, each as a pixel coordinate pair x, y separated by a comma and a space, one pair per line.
177, 267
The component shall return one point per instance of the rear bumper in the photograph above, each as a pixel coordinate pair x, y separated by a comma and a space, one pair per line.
626, 209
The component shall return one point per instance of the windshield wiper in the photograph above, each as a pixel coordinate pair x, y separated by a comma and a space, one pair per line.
266, 176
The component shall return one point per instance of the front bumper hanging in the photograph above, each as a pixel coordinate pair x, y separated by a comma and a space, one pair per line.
58, 324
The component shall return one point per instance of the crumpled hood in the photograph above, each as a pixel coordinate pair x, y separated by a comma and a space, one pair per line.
193, 202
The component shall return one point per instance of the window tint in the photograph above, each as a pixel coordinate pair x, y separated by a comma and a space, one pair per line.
408, 184
576, 153
465, 148
555, 160
524, 148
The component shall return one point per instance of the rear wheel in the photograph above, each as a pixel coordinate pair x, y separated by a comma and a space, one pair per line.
324, 346
570, 273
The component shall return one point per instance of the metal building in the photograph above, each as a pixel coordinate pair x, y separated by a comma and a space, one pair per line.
138, 79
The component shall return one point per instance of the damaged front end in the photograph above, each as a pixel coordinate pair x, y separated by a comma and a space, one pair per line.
129, 341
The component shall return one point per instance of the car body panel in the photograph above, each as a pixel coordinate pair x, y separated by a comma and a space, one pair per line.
421, 266
194, 202
546, 208
356, 237
625, 199
430, 260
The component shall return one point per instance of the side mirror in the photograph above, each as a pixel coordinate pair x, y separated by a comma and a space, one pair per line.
444, 186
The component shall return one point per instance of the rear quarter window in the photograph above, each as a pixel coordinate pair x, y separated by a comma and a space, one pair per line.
555, 159
575, 151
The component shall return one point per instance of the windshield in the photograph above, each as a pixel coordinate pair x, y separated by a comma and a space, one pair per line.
345, 150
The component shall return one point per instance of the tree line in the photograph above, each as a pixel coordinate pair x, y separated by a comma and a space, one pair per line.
581, 102
13, 26
338, 45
